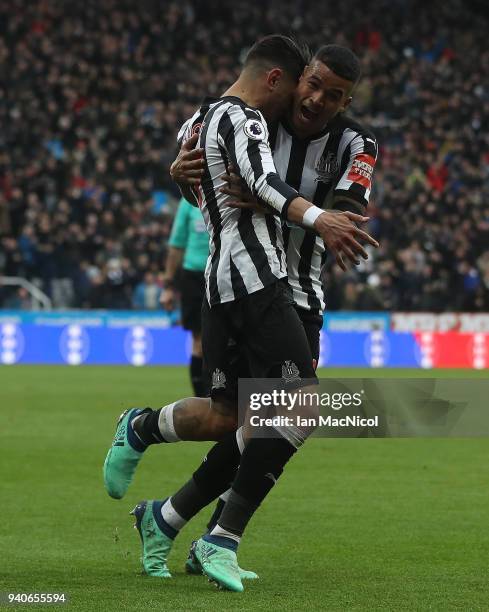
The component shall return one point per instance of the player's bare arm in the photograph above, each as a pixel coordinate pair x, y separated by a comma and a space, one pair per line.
336, 228
188, 167
243, 198
173, 263
240, 194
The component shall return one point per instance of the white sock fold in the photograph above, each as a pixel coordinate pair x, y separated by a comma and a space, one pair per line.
225, 495
131, 424
240, 440
171, 516
223, 533
166, 425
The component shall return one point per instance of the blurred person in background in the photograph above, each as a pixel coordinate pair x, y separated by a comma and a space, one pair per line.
89, 109
188, 250
147, 293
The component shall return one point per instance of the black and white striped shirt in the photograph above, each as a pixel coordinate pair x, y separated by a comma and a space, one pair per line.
246, 248
335, 164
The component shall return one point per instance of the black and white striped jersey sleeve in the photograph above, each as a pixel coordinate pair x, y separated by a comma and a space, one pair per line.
243, 133
192, 126
357, 166
185, 131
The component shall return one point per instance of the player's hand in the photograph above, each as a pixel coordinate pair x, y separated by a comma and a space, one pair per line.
168, 299
241, 196
341, 234
188, 166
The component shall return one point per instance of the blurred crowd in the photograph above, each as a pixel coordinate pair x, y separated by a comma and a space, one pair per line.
93, 93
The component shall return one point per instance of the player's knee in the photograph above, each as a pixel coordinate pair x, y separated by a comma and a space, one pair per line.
220, 426
223, 417
225, 407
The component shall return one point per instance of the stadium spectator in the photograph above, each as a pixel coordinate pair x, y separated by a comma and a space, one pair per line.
147, 293
91, 95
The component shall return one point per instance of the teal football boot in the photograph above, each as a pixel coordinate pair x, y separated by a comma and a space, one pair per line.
192, 566
219, 563
123, 456
156, 544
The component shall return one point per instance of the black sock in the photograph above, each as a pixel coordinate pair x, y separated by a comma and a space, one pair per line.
261, 465
197, 378
210, 480
146, 427
189, 500
217, 513
236, 513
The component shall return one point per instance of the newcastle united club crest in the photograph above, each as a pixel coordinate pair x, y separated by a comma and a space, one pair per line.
218, 379
290, 372
327, 168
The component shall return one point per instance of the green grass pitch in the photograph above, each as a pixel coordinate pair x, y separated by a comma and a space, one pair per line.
353, 524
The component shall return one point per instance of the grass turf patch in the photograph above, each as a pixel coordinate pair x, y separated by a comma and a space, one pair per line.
353, 525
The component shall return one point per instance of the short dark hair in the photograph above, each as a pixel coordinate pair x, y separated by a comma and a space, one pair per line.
279, 51
341, 60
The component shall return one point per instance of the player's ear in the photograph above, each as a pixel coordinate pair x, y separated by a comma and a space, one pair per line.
273, 77
346, 104
305, 72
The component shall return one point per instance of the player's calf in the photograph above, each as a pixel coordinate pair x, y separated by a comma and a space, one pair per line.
192, 419
187, 419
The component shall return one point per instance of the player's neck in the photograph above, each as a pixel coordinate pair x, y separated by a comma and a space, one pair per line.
246, 91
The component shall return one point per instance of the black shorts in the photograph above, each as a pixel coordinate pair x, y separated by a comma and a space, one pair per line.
313, 323
193, 290
261, 332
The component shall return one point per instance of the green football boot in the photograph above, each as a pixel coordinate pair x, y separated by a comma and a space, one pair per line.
156, 544
219, 564
192, 566
123, 456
